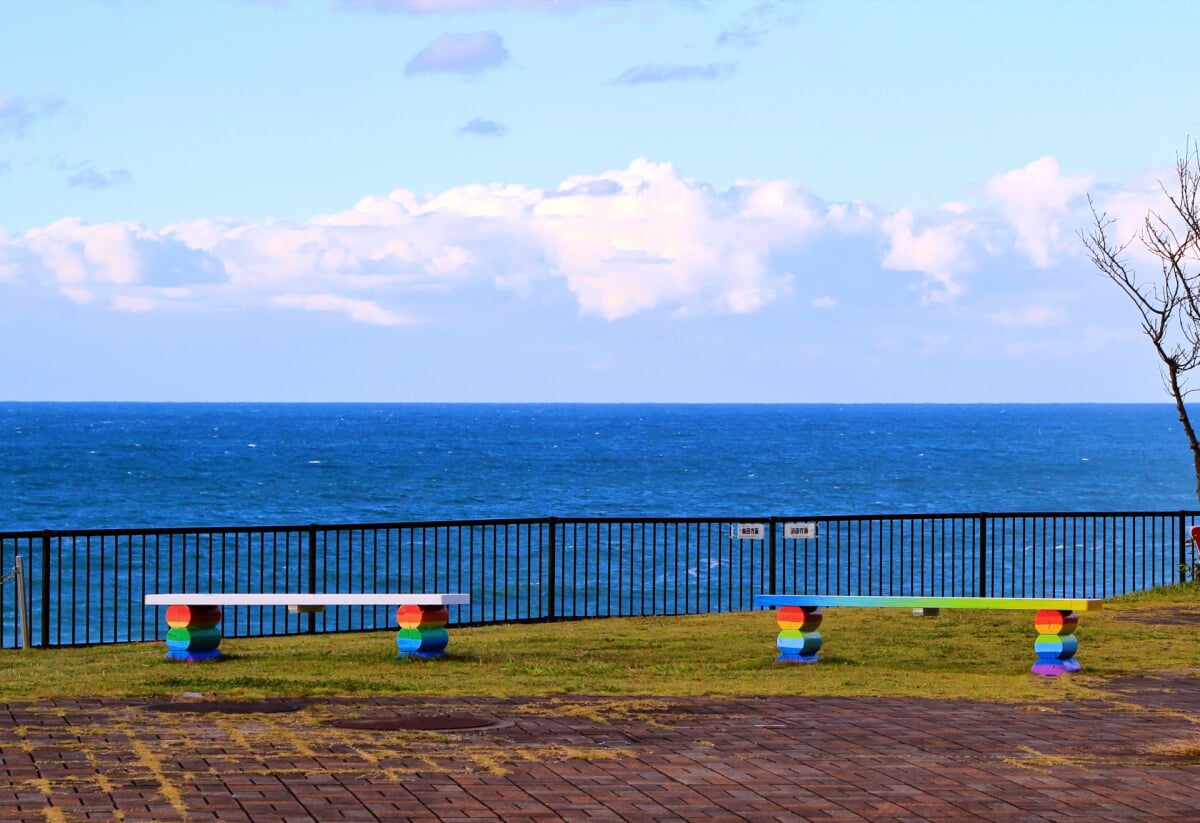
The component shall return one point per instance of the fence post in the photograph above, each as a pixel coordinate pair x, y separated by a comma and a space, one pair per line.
771, 556
312, 573
981, 535
552, 567
22, 606
45, 613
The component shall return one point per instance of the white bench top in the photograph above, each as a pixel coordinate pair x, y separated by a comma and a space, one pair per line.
329, 599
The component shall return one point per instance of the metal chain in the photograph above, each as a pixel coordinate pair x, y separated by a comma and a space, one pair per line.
8, 577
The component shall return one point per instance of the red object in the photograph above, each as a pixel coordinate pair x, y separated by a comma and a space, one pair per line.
1049, 621
422, 617
798, 618
193, 617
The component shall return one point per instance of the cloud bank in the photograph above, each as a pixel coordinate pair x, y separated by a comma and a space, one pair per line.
640, 239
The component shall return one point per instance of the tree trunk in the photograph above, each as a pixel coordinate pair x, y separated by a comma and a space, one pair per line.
1178, 392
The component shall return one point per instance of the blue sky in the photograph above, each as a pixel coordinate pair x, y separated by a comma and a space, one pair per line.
579, 200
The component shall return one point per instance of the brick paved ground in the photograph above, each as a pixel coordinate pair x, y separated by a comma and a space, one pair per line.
623, 759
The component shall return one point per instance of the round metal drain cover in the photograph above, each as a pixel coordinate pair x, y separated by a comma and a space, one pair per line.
416, 722
223, 707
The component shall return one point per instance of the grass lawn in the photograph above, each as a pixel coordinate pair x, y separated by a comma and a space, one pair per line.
961, 654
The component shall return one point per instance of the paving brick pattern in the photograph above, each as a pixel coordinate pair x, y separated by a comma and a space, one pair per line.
622, 759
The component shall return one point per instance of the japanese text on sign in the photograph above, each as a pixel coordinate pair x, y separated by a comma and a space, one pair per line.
748, 531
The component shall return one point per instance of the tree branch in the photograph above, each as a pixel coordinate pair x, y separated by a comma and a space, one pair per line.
1169, 308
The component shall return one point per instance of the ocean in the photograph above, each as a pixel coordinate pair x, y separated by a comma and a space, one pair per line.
146, 465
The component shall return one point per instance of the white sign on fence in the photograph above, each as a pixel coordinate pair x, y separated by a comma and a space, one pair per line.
799, 531
748, 531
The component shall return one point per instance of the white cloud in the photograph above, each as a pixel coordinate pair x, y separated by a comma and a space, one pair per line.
938, 251
622, 242
851, 218
655, 238
639, 239
85, 261
1127, 208
81, 254
1036, 200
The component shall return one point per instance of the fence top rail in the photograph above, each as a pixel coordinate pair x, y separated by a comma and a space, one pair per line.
832, 518
917, 602
329, 599
33, 534
986, 515
167, 531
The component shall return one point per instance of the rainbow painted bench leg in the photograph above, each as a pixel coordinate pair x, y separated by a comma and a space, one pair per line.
422, 630
194, 633
799, 615
1056, 643
798, 641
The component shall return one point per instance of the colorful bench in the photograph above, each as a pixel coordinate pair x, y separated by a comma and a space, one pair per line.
194, 620
799, 617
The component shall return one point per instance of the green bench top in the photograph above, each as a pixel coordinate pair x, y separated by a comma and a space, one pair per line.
918, 602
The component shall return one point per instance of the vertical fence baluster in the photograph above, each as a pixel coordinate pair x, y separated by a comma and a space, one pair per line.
312, 573
771, 531
981, 539
551, 566
1182, 576
44, 611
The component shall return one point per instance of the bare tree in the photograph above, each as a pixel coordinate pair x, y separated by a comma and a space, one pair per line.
1169, 304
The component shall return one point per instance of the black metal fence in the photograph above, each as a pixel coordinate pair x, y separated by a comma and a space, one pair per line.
86, 586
